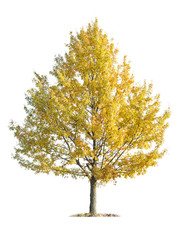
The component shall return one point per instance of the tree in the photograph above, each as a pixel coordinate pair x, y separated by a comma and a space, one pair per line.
95, 121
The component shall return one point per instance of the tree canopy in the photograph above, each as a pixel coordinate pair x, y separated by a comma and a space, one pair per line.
95, 120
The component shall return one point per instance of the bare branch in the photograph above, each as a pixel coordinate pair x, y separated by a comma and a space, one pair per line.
83, 169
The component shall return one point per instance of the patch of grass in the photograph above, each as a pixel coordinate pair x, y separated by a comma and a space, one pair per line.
96, 215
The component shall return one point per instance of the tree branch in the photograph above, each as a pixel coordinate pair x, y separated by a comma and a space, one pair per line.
79, 164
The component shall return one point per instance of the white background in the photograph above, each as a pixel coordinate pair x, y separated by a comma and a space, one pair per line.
153, 34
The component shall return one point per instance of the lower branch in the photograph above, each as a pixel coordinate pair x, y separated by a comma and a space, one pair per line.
83, 169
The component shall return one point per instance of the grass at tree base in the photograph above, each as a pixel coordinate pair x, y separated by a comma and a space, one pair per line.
96, 215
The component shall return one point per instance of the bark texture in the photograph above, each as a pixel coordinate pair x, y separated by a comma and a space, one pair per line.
93, 200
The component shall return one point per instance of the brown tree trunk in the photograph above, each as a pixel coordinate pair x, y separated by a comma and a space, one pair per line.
93, 200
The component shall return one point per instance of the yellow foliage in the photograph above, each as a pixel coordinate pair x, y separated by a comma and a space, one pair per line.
96, 121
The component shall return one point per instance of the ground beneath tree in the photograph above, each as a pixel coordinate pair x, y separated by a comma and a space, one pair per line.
96, 215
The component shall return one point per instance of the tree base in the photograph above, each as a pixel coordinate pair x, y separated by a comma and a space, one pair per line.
95, 215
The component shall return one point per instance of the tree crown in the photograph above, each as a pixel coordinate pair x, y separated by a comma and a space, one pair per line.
95, 121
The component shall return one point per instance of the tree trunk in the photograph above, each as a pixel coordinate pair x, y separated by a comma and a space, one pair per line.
92, 208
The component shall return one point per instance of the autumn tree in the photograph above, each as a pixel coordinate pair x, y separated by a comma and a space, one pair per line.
95, 121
